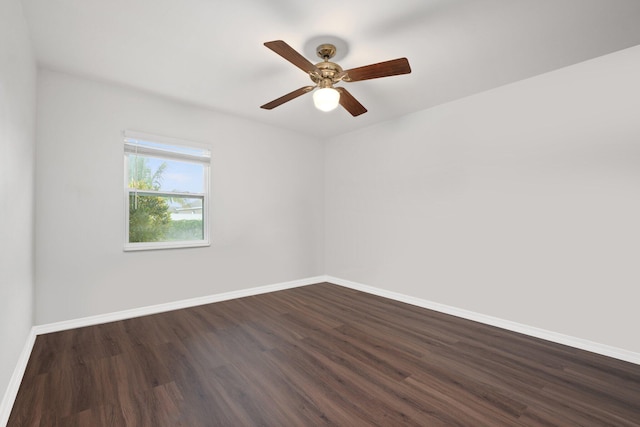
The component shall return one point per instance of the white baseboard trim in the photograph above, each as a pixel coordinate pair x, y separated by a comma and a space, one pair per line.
16, 379
605, 350
175, 305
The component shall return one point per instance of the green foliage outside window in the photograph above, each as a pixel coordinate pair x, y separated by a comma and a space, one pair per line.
149, 216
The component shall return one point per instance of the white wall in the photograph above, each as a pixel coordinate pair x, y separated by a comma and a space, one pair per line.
266, 191
17, 141
521, 203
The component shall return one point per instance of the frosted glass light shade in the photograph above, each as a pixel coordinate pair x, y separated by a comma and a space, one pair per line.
326, 99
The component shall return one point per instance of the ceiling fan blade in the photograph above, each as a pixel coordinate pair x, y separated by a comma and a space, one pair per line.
394, 67
288, 97
350, 103
291, 55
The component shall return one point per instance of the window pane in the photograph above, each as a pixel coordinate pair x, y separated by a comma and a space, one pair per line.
150, 173
166, 193
163, 218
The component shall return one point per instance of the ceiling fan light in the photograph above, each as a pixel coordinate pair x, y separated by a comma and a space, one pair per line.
326, 99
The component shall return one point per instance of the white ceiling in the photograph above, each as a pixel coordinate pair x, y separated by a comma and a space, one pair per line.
210, 53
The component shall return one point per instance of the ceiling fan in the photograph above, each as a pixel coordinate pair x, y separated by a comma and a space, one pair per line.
326, 74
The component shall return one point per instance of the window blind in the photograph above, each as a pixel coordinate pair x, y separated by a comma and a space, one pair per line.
163, 147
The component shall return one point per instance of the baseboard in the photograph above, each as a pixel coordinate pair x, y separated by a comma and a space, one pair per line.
16, 378
175, 305
605, 350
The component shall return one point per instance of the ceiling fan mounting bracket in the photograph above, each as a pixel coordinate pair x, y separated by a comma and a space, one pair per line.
326, 51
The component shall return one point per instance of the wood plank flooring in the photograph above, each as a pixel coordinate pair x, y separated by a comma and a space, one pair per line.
317, 355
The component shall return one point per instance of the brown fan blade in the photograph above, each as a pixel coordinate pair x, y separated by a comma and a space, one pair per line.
291, 55
350, 103
288, 97
394, 67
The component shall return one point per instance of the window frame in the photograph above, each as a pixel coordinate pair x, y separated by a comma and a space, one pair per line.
128, 138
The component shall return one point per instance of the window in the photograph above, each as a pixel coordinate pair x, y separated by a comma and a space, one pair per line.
166, 192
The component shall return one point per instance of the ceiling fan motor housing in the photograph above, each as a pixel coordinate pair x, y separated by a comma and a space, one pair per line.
326, 73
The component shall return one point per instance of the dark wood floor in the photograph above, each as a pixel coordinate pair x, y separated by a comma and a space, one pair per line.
317, 355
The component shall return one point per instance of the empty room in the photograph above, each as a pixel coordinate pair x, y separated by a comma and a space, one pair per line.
285, 213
